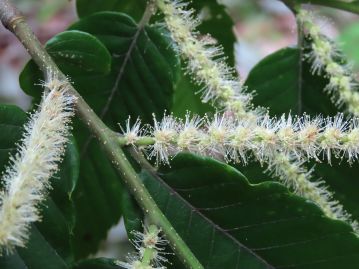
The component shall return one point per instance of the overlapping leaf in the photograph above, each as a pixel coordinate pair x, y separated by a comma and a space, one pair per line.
229, 223
285, 84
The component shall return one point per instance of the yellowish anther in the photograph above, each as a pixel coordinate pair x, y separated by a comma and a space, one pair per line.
335, 69
331, 137
314, 30
131, 138
308, 135
218, 135
287, 136
226, 92
187, 138
353, 138
344, 83
164, 136
266, 135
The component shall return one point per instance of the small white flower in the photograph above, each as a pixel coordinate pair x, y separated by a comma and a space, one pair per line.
351, 141
132, 131
332, 135
241, 141
265, 136
147, 243
219, 131
164, 133
286, 134
190, 135
308, 134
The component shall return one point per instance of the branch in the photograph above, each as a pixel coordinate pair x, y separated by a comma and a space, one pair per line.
14, 21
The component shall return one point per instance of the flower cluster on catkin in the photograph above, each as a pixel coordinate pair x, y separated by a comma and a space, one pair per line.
297, 177
150, 246
324, 55
235, 140
284, 144
39, 152
228, 94
205, 61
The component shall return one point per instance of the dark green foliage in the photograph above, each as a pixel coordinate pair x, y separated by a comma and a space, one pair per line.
230, 223
284, 83
123, 69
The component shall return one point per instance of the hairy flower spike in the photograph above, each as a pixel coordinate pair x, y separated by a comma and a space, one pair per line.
205, 61
283, 144
227, 138
230, 97
27, 177
342, 86
290, 171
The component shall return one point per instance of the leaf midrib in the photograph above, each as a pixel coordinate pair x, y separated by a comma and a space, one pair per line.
213, 225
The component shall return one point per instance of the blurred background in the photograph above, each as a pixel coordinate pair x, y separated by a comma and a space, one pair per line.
261, 27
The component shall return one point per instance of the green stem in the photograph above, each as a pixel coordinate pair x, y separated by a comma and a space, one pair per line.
148, 255
14, 21
142, 141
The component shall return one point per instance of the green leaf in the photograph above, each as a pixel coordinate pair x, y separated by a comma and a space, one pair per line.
11, 123
49, 244
229, 223
135, 8
218, 24
285, 84
146, 69
187, 97
76, 53
143, 61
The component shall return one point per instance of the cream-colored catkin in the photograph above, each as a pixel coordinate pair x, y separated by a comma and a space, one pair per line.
342, 86
304, 138
39, 153
228, 94
287, 168
284, 144
205, 61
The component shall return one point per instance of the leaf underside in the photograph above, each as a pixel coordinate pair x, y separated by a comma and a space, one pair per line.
229, 223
